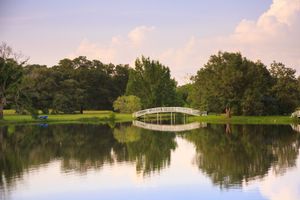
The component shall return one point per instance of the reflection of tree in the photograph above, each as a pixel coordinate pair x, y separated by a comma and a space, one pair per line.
248, 152
125, 134
150, 150
81, 147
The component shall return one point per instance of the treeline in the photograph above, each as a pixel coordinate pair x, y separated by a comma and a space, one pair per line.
72, 85
232, 83
228, 82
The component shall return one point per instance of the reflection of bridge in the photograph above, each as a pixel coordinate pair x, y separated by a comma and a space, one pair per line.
169, 128
188, 111
296, 127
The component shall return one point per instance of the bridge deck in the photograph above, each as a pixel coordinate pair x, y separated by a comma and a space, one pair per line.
183, 110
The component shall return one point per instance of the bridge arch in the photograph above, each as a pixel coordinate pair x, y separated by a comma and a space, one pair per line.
188, 111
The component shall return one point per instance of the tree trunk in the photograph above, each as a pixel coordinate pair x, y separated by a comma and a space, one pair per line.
228, 112
1, 107
81, 109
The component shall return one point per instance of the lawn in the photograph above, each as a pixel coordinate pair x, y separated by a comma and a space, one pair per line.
247, 119
87, 116
97, 116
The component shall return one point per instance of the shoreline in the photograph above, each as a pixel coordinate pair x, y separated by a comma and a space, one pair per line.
107, 117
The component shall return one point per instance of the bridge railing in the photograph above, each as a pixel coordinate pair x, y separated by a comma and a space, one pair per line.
189, 111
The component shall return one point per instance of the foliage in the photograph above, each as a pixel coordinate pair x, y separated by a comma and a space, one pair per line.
72, 85
152, 83
10, 74
127, 104
183, 94
285, 88
229, 80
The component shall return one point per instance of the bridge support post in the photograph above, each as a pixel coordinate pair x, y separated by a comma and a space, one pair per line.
159, 118
174, 118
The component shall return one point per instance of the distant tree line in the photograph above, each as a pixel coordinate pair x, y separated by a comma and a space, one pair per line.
228, 83
72, 85
232, 83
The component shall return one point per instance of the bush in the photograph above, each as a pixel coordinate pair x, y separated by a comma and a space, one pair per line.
127, 104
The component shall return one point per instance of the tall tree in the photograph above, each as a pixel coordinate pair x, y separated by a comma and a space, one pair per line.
152, 83
285, 88
231, 83
10, 73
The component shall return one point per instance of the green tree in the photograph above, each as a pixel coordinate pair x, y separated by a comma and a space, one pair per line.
232, 83
127, 104
152, 83
285, 88
183, 95
10, 74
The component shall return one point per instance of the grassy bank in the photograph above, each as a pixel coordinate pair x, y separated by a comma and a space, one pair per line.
246, 119
87, 117
107, 117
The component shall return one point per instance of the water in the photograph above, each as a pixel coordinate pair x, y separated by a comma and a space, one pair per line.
128, 162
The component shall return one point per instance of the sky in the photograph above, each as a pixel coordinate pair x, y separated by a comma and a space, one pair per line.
180, 34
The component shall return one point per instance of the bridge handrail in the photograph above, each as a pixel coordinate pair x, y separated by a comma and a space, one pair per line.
167, 109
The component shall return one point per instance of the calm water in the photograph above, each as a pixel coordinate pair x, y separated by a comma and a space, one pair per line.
127, 162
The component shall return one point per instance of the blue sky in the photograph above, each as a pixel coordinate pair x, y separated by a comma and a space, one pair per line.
181, 34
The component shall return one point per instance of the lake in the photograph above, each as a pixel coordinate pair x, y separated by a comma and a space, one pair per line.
122, 161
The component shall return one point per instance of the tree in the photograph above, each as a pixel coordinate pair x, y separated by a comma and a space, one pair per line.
183, 94
285, 88
152, 83
36, 90
69, 98
10, 73
232, 83
127, 104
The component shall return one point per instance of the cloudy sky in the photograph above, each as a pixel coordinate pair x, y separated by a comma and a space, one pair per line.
180, 34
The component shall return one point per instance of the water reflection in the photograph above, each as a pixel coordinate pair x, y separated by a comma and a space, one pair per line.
246, 153
296, 127
169, 128
229, 155
82, 147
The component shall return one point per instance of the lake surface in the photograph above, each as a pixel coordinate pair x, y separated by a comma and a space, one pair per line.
126, 162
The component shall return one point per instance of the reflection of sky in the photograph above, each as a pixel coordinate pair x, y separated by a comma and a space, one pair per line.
181, 180
286, 186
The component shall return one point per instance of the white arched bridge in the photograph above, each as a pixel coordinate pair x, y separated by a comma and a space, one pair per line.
188, 111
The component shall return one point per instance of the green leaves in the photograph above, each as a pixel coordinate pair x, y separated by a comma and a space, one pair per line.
127, 104
248, 87
152, 83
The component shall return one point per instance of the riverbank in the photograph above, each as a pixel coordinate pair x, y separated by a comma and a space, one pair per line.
221, 119
86, 117
108, 116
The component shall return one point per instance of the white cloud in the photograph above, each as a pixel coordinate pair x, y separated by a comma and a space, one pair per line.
138, 35
273, 36
119, 49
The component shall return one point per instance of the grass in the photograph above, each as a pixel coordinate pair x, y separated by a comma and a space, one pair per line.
87, 117
246, 119
95, 116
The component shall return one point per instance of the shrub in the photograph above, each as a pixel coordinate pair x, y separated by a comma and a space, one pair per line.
127, 104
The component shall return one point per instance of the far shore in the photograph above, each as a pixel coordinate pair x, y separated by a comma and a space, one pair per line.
106, 117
